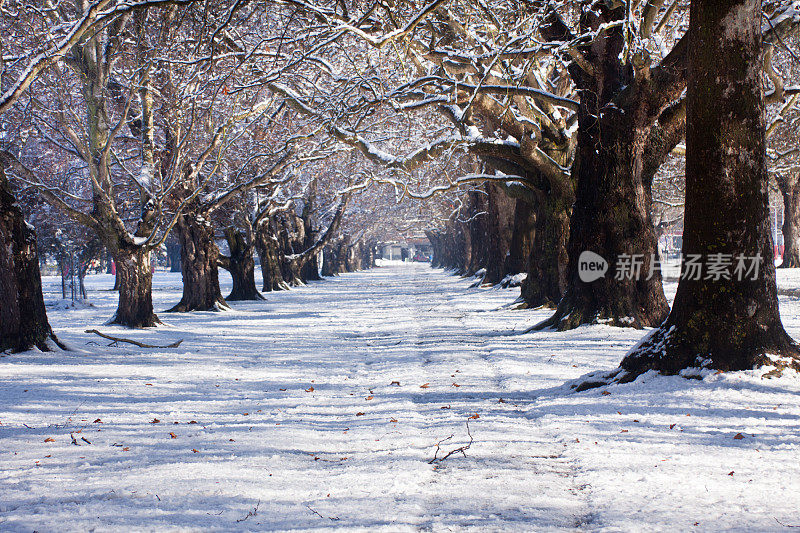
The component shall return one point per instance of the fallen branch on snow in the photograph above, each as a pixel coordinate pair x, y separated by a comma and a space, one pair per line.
461, 449
135, 343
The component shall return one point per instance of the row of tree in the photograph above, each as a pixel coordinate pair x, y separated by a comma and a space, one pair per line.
533, 131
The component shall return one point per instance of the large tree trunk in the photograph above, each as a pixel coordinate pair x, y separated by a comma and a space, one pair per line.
330, 260
521, 237
790, 190
174, 255
611, 215
726, 324
269, 254
199, 257
135, 282
23, 320
500, 231
547, 261
242, 266
475, 247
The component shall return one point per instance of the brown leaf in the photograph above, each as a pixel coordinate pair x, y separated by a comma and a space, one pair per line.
393, 420
605, 393
360, 413
624, 431
397, 383
368, 398
730, 473
456, 385
425, 386
126, 448
501, 401
245, 414
194, 450
193, 421
98, 421
671, 426
310, 389
282, 390
738, 436
155, 421
475, 416
49, 439
172, 435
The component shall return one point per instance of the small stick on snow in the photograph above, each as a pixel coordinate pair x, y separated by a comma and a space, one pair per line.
135, 343
461, 449
254, 512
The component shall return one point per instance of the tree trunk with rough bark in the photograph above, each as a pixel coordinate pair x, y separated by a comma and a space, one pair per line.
199, 258
521, 237
728, 322
790, 190
500, 224
269, 254
611, 215
135, 281
548, 259
330, 260
174, 255
23, 320
241, 266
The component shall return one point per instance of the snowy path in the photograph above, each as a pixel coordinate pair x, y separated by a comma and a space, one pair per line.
321, 408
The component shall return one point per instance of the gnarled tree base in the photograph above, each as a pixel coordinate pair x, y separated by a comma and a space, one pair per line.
621, 312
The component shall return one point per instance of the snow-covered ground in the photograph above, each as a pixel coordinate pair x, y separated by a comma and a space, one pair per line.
321, 408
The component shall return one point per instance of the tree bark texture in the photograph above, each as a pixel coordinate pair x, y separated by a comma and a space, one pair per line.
23, 320
725, 324
199, 259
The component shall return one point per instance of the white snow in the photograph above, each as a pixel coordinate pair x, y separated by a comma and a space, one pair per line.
277, 389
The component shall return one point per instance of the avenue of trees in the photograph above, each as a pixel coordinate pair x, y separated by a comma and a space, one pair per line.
517, 135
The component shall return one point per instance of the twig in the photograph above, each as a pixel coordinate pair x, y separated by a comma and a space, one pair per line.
461, 449
135, 343
319, 515
784, 525
254, 512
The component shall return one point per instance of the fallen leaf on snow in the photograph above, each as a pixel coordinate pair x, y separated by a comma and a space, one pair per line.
360, 413
172, 435
475, 416
425, 386
393, 420
310, 389
605, 393
368, 398
194, 450
98, 421
155, 421
49, 439
738, 436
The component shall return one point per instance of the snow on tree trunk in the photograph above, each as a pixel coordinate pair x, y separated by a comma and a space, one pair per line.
725, 324
23, 320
